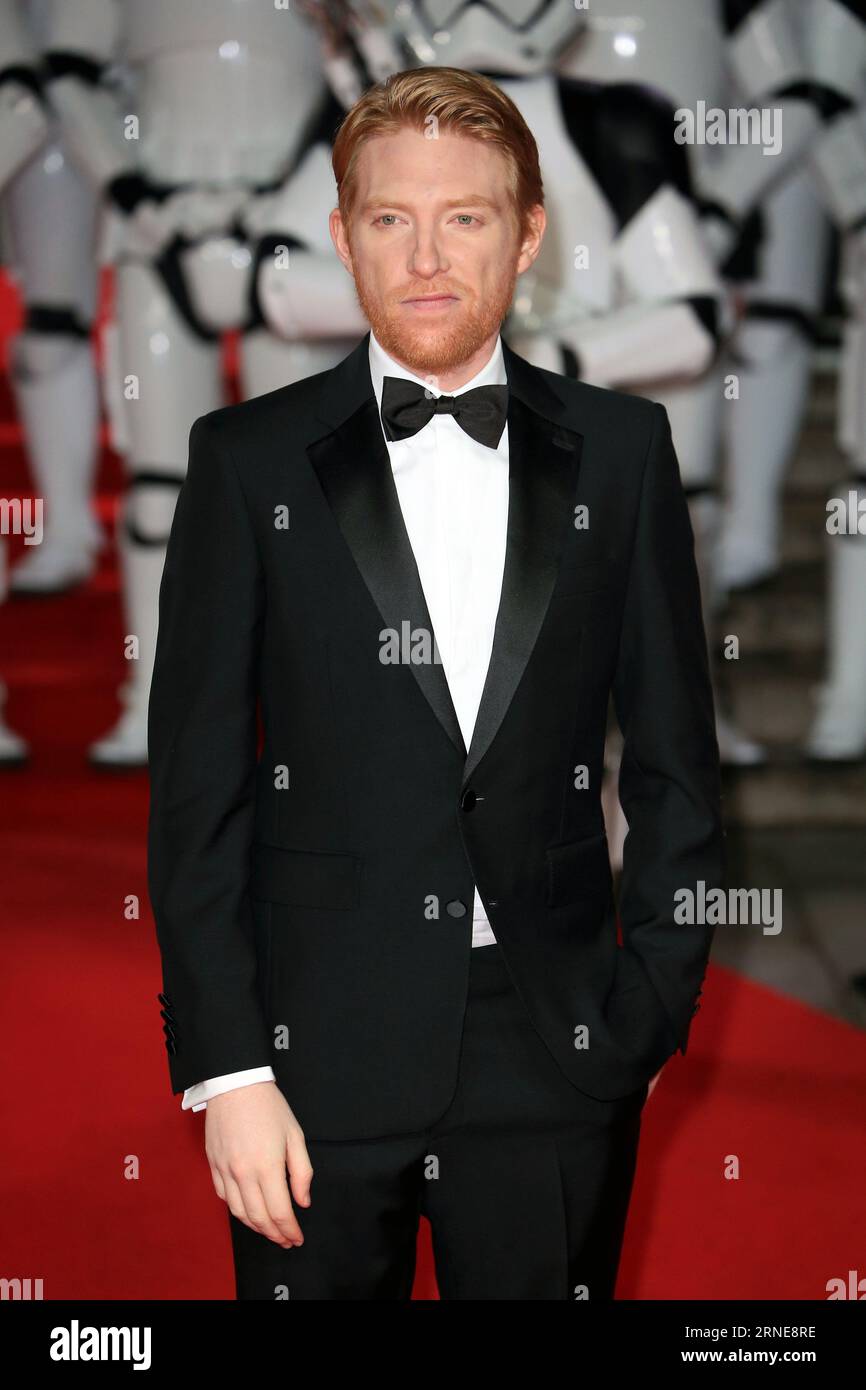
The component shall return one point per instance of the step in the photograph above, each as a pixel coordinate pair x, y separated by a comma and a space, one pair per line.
795, 795
788, 615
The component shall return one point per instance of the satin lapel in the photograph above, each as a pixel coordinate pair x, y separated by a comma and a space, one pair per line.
542, 480
354, 470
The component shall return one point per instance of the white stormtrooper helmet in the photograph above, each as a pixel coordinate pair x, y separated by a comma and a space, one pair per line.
517, 37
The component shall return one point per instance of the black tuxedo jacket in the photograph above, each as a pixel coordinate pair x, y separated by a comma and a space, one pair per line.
313, 905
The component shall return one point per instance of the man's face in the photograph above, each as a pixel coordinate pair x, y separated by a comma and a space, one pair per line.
433, 217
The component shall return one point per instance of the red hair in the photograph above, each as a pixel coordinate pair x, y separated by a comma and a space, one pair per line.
460, 102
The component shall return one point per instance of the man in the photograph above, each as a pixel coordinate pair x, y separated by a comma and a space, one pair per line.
389, 943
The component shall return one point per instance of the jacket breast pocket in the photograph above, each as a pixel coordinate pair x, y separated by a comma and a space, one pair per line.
303, 877
579, 870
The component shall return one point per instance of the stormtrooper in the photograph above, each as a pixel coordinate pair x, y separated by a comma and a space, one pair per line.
836, 47
806, 58
228, 108
816, 77
696, 61
780, 278
49, 235
24, 126
826, 174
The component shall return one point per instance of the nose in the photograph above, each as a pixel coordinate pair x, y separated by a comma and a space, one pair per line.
426, 259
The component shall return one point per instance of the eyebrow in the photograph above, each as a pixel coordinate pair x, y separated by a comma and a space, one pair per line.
476, 199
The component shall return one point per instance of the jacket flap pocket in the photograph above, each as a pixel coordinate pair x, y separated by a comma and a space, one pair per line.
303, 877
577, 869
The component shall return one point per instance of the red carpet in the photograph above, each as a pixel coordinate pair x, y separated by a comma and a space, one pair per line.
106, 1189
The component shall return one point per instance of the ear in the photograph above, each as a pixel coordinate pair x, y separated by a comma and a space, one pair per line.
339, 237
531, 243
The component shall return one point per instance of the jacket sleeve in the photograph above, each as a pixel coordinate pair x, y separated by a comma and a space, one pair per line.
202, 753
669, 776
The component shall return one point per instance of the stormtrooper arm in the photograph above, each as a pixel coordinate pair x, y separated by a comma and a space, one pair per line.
667, 324
836, 46
838, 165
307, 294
82, 42
302, 288
23, 116
771, 80
663, 319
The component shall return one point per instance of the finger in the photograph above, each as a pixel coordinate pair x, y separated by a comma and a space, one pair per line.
218, 1183
237, 1202
257, 1212
278, 1203
234, 1199
300, 1168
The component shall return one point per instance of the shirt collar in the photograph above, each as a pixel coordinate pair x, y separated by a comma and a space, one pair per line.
382, 364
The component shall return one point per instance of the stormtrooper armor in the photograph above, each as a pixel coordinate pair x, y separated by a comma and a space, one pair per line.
836, 45
697, 60
24, 119
824, 154
50, 219
677, 60
24, 124
227, 108
781, 281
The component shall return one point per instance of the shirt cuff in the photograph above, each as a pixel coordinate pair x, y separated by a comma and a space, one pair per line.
196, 1097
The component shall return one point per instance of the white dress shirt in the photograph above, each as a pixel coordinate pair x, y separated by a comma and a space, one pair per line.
453, 494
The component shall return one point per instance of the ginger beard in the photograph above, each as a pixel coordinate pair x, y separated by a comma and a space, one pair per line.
428, 348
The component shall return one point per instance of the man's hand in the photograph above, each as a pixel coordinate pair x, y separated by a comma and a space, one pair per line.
251, 1138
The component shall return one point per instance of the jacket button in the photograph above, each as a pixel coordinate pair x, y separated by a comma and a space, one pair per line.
455, 908
468, 800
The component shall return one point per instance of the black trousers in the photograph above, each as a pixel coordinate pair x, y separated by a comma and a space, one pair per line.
525, 1180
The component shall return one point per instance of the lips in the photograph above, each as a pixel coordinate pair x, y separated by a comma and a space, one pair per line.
431, 301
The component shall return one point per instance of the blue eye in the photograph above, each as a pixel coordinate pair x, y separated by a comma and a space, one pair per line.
471, 216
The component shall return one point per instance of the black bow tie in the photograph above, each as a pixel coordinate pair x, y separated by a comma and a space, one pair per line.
407, 406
